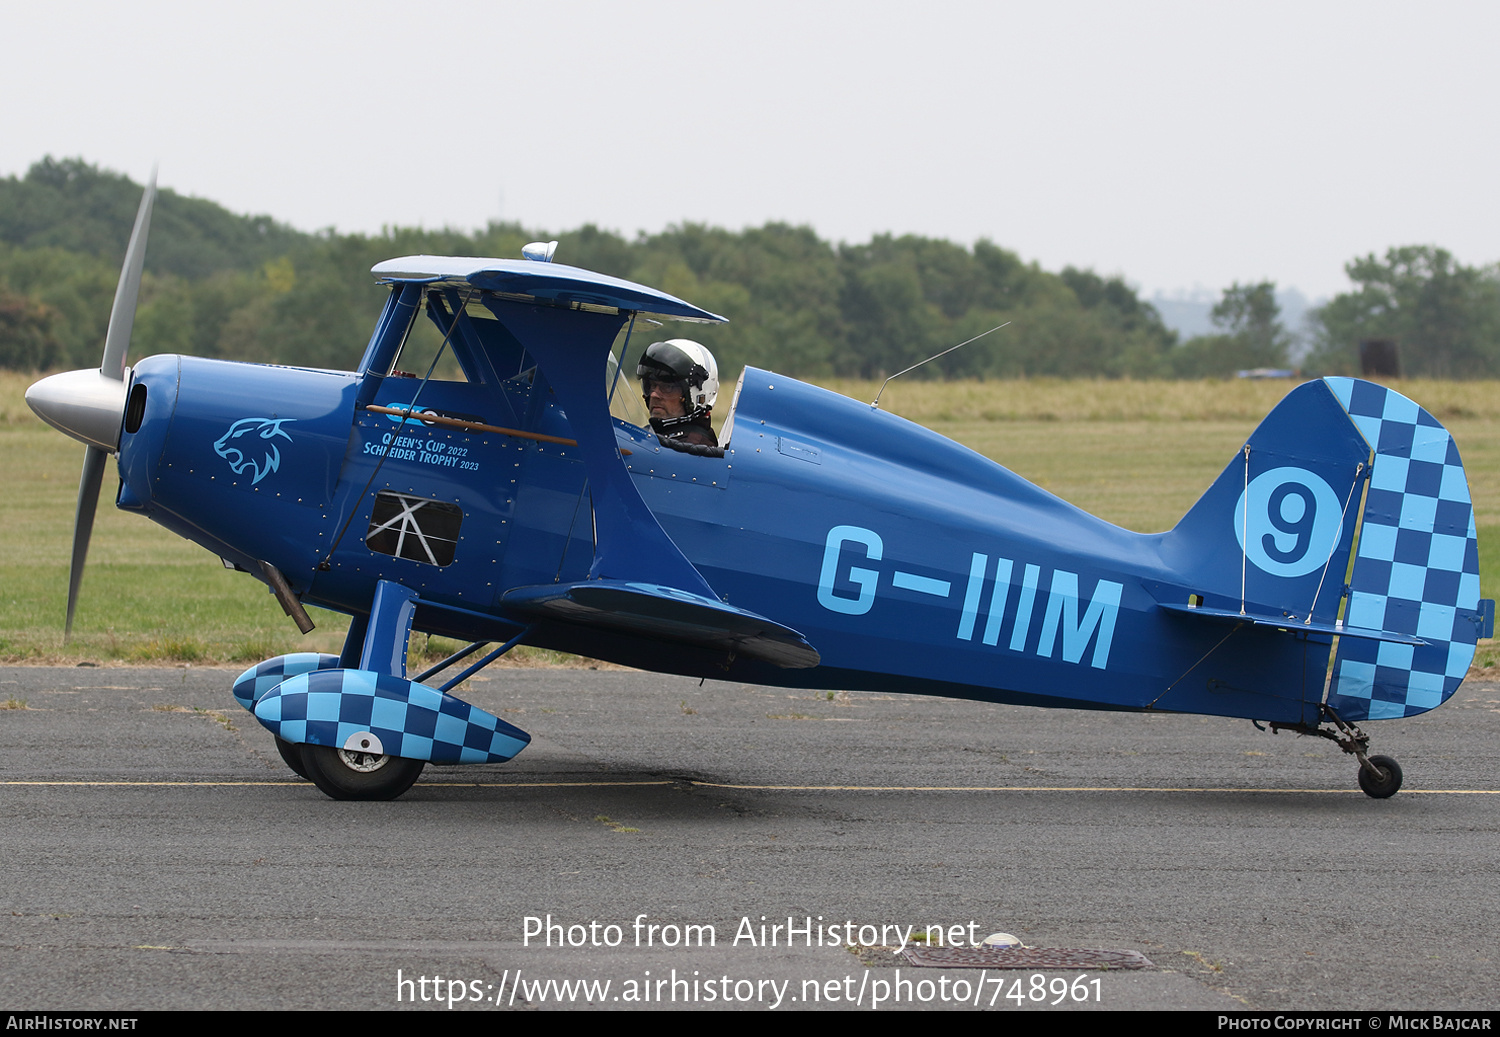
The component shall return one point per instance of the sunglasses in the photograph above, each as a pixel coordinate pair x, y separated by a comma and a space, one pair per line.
651, 386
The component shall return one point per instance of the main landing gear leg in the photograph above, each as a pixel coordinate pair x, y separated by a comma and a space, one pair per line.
1379, 776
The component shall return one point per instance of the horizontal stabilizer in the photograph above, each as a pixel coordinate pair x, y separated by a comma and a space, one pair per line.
1291, 623
665, 613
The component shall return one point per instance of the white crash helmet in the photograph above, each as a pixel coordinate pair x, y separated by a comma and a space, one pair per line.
686, 362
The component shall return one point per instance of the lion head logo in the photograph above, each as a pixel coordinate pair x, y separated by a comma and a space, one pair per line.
269, 429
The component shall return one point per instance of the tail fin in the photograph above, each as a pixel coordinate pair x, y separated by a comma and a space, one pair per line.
1341, 462
1271, 537
1417, 567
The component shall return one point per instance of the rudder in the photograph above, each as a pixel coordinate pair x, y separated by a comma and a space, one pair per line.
1416, 568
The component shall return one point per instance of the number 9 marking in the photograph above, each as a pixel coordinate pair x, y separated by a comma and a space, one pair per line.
1294, 524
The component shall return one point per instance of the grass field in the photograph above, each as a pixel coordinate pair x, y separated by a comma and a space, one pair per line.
1136, 453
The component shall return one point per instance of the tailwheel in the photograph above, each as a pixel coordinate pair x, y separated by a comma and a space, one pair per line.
356, 774
1380, 777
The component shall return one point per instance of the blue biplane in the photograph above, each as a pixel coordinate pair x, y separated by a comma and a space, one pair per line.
1329, 576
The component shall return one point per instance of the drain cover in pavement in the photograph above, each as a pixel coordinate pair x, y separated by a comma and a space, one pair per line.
1026, 958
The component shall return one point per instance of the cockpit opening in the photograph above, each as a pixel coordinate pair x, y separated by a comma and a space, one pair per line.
668, 387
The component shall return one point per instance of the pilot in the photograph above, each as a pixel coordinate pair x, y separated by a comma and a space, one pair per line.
680, 382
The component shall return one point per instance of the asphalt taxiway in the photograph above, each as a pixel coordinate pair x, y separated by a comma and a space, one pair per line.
158, 854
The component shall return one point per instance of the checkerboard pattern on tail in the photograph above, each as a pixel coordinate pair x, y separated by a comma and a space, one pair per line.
1416, 570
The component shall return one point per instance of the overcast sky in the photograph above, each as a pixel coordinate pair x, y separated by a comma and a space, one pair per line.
1177, 144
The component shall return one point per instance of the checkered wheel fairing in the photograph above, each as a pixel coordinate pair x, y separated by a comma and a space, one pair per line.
411, 720
1417, 566
262, 677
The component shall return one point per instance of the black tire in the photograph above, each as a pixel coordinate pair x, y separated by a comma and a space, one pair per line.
341, 774
291, 755
1385, 786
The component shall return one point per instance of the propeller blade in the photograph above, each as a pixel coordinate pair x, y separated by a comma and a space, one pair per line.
112, 366
122, 314
83, 524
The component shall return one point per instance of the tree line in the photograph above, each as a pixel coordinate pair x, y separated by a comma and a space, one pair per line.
247, 288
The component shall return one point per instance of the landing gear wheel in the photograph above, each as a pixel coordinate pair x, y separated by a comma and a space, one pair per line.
1387, 784
291, 755
1379, 776
349, 774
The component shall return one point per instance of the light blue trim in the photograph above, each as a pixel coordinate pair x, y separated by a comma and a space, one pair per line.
867, 579
1023, 608
921, 584
1004, 568
977, 565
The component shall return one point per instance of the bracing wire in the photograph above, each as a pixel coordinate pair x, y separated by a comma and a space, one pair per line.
405, 416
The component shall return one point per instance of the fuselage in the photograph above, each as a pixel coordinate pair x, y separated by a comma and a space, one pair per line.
910, 562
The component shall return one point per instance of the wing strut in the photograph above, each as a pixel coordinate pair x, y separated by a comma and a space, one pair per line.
571, 347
